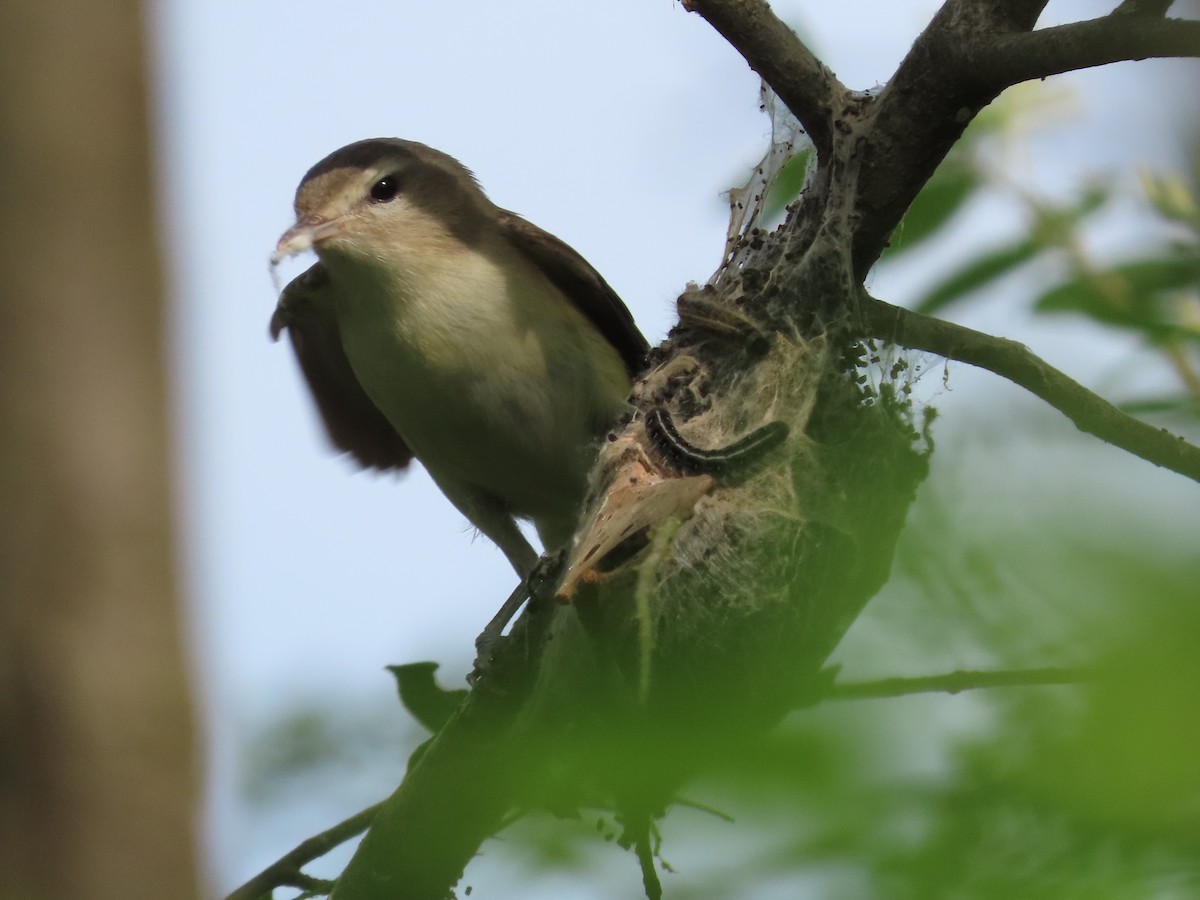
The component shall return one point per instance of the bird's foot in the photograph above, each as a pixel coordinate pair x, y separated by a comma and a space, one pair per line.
492, 637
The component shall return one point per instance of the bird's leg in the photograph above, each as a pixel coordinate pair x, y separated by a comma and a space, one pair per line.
532, 586
493, 632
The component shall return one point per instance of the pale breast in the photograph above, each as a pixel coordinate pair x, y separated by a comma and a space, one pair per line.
491, 377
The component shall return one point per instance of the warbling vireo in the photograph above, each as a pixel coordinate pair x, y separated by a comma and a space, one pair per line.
438, 326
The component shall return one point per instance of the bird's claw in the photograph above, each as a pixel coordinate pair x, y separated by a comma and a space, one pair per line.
492, 638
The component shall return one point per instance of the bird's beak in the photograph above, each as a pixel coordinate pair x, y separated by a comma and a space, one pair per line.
304, 235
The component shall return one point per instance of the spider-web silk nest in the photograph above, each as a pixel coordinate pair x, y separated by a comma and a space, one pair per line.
760, 571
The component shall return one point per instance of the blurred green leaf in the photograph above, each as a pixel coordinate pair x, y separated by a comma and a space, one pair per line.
977, 273
1172, 197
949, 188
428, 702
1131, 295
1180, 403
1058, 226
1054, 227
787, 185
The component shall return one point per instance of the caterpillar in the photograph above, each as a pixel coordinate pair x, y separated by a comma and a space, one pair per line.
689, 458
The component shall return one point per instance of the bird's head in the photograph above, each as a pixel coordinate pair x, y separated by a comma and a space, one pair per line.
384, 197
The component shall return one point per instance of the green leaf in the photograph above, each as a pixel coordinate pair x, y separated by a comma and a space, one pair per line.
1130, 295
1182, 404
944, 195
787, 185
978, 272
1172, 197
429, 704
1057, 226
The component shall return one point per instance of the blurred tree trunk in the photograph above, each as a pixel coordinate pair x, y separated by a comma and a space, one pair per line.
97, 765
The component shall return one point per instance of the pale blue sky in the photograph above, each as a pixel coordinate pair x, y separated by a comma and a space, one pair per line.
615, 125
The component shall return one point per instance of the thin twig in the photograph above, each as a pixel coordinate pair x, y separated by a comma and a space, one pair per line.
702, 807
954, 683
645, 854
806, 85
285, 872
1009, 359
1008, 59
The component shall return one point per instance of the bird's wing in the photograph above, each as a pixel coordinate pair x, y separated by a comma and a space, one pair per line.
354, 424
582, 285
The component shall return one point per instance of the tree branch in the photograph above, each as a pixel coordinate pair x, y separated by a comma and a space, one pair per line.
811, 91
285, 872
921, 114
1008, 59
1142, 8
471, 775
1009, 359
953, 683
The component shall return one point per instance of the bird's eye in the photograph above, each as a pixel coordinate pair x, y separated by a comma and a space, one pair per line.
385, 189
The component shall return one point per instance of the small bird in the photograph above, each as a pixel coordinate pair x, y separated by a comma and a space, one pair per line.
439, 326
